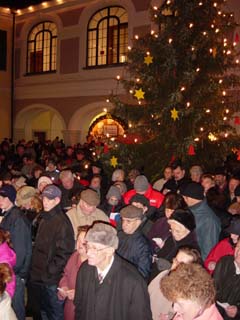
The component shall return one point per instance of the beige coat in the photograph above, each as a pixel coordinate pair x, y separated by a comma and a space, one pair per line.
6, 311
78, 218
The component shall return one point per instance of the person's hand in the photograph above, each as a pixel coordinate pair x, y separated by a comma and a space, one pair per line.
71, 294
231, 311
166, 316
62, 292
159, 242
211, 265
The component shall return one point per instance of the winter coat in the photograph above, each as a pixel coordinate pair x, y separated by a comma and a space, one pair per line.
208, 227
53, 246
6, 311
122, 295
7, 255
210, 313
155, 197
222, 248
135, 248
20, 231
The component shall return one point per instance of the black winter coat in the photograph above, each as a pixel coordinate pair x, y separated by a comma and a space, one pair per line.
123, 294
53, 246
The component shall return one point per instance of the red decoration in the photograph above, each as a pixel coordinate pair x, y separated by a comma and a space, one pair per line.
191, 151
173, 158
237, 120
236, 39
238, 155
105, 148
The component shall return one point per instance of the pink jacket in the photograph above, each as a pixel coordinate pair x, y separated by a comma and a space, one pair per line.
210, 313
8, 256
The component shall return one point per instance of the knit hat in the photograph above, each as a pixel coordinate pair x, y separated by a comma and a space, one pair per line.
9, 192
234, 226
91, 197
45, 179
24, 194
185, 217
141, 183
102, 233
131, 212
113, 192
52, 192
140, 199
237, 191
193, 190
121, 186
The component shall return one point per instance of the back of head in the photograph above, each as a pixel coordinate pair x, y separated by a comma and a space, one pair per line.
141, 183
174, 201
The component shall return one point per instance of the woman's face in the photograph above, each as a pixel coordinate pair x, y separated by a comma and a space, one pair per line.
178, 230
168, 212
81, 245
187, 309
181, 257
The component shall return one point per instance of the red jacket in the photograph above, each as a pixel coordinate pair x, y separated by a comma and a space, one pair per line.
155, 197
221, 249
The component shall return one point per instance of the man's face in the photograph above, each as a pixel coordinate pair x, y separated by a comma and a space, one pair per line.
207, 183
86, 208
178, 173
167, 173
5, 203
49, 204
220, 179
67, 182
98, 254
95, 183
233, 183
129, 226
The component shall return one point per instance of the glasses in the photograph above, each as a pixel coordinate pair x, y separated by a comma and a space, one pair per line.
93, 249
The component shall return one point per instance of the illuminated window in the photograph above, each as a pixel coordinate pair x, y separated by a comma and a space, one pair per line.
107, 37
42, 48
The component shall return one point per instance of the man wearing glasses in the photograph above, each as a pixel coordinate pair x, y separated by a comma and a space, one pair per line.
107, 286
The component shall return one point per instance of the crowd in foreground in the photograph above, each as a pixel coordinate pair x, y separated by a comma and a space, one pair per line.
75, 244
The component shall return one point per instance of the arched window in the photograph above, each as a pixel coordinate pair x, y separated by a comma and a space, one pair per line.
107, 37
42, 48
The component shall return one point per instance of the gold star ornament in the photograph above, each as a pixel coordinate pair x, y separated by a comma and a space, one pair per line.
139, 94
174, 114
148, 60
114, 161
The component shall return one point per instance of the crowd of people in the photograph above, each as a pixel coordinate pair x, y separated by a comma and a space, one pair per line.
77, 244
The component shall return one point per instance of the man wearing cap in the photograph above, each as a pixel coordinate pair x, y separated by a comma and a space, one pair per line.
133, 246
142, 186
86, 211
208, 225
53, 246
107, 286
20, 231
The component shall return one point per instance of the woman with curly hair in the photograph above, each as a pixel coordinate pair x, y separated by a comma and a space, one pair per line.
192, 291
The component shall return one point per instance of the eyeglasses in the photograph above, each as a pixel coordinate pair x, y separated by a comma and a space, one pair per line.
93, 249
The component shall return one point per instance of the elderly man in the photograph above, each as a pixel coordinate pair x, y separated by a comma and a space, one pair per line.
86, 211
133, 246
107, 286
227, 282
53, 246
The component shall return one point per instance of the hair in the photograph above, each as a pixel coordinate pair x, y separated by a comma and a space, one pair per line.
207, 176
193, 253
118, 175
36, 203
191, 282
5, 237
5, 276
177, 163
81, 229
66, 174
174, 201
196, 169
97, 175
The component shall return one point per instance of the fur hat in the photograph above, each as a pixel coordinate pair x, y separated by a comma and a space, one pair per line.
9, 192
184, 217
24, 194
103, 233
91, 197
114, 192
141, 199
131, 212
193, 190
141, 183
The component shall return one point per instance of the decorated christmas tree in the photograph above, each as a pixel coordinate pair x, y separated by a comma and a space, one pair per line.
180, 84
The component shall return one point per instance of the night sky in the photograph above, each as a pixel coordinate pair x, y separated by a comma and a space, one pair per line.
19, 4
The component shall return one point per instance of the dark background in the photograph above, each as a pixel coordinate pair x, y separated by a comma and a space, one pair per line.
19, 4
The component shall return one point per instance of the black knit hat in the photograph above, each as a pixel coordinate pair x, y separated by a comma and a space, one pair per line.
193, 190
234, 226
185, 217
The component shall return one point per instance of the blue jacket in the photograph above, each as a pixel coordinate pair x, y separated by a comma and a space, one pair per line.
20, 232
208, 227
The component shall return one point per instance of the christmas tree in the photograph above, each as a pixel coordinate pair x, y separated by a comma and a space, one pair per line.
180, 87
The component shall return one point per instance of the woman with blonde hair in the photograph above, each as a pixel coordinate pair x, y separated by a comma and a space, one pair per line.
192, 291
